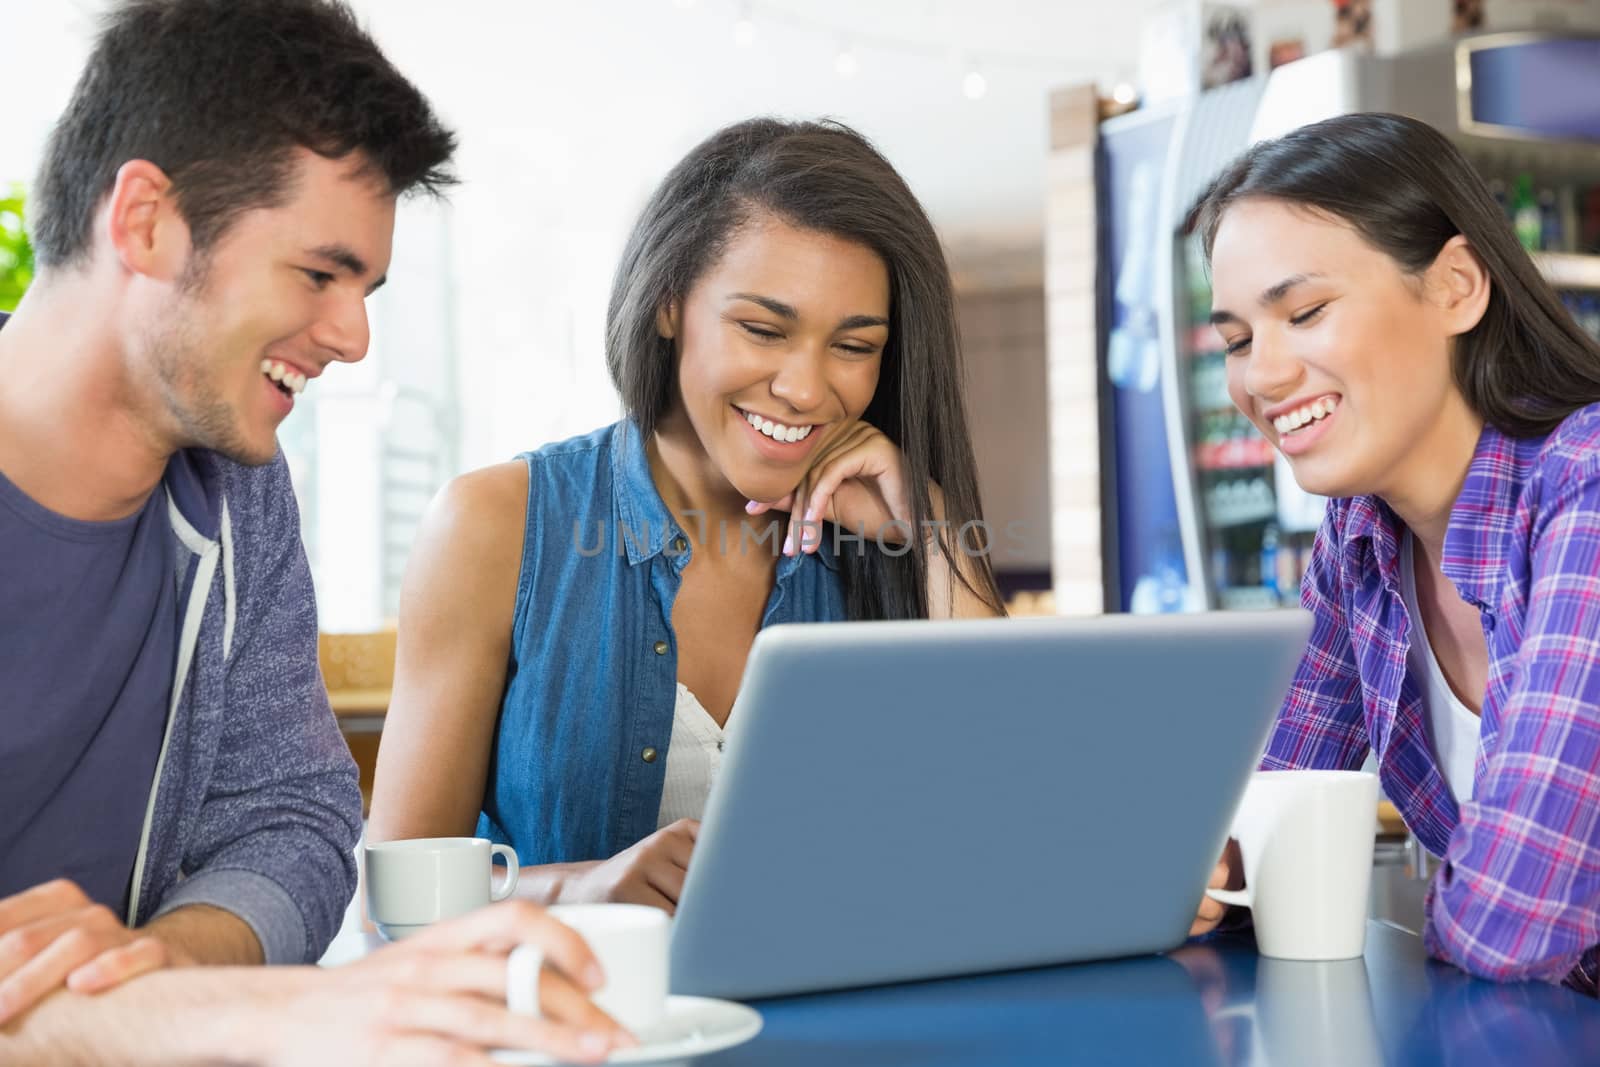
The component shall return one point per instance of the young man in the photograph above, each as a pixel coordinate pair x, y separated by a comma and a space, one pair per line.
215, 206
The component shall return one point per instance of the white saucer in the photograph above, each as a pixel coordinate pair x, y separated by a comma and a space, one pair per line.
692, 1026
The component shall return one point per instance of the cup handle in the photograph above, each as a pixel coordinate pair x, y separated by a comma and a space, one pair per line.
1237, 897
509, 854
522, 980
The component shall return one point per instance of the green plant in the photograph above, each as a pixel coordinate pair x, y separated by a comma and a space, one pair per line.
16, 254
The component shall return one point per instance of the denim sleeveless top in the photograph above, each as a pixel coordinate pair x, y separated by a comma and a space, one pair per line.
580, 749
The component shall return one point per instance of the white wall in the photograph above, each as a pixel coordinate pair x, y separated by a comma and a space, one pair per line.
1003, 338
570, 113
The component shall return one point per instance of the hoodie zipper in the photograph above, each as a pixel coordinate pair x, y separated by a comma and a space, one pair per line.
210, 553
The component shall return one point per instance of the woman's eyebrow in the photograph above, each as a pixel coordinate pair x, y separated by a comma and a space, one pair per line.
777, 307
787, 311
1269, 296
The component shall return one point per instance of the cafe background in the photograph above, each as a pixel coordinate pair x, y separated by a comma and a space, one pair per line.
1105, 443
1054, 144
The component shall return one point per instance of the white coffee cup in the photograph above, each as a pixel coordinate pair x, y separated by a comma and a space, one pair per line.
1306, 839
412, 884
629, 940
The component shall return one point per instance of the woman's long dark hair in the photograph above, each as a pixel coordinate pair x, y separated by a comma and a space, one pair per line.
1407, 190
819, 176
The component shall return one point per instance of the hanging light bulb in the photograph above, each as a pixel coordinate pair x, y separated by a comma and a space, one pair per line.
744, 29
974, 85
845, 63
1124, 93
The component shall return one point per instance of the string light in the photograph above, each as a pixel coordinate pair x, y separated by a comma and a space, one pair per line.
744, 29
845, 63
847, 59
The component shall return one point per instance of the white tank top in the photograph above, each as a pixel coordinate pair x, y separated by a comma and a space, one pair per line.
694, 754
1452, 727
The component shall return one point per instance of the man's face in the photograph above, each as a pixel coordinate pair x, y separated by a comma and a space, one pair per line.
279, 296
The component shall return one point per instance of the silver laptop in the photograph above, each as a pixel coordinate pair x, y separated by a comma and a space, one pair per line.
907, 800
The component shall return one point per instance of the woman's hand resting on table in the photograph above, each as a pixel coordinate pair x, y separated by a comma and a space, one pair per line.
651, 872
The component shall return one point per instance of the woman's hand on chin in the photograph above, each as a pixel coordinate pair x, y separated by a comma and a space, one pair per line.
857, 481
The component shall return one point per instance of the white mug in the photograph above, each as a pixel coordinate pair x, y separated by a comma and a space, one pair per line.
1306, 840
629, 940
412, 884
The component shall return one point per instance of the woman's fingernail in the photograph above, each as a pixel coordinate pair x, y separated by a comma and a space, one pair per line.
750, 507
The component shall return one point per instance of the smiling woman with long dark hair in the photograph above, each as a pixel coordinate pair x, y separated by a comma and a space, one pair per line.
575, 623
1387, 333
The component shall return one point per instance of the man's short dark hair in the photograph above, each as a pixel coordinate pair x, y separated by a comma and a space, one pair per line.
219, 94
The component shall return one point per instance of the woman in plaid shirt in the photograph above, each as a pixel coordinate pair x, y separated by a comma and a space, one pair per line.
1389, 335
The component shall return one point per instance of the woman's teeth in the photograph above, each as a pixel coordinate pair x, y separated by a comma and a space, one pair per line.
284, 375
1302, 416
777, 430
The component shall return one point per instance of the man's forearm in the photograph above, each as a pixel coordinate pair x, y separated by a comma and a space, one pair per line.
199, 933
176, 1017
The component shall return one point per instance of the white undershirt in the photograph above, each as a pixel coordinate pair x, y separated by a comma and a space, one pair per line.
1452, 727
694, 754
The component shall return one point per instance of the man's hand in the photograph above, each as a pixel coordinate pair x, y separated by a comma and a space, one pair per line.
438, 997
651, 872
53, 934
1228, 874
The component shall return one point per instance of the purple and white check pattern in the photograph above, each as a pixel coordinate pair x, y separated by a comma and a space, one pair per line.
1518, 893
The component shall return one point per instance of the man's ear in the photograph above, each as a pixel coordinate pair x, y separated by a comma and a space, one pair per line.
1462, 283
141, 220
668, 319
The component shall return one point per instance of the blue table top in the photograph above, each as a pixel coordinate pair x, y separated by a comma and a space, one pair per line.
1218, 1003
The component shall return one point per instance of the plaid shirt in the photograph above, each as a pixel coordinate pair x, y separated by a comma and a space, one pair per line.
1518, 893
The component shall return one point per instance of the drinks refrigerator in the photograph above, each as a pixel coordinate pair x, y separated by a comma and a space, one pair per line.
1200, 512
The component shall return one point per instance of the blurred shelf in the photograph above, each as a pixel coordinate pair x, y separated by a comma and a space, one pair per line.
1234, 454
354, 702
1251, 464
1565, 270
1248, 598
1221, 518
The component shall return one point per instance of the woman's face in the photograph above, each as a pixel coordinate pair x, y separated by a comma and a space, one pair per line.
779, 345
1337, 356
